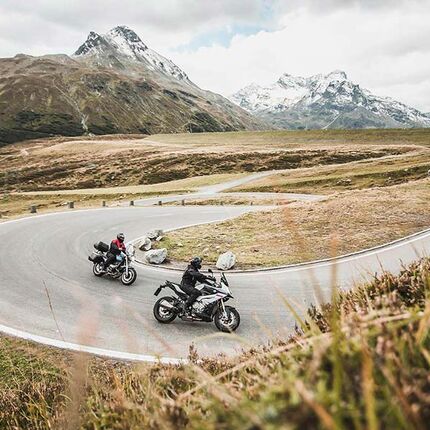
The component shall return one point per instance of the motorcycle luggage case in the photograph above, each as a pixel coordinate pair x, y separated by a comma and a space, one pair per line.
101, 246
95, 258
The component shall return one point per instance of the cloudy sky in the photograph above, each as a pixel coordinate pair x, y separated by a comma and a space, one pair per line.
225, 44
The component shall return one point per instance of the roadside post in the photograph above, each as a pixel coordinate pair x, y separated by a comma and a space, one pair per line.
71, 205
103, 203
183, 202
33, 209
131, 202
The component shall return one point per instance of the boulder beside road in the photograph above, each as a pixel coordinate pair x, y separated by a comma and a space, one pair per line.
156, 256
145, 244
226, 261
154, 234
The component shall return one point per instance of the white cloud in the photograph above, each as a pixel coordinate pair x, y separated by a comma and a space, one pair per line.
30, 26
381, 44
385, 50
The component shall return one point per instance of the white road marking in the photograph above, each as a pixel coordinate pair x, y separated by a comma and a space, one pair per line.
120, 355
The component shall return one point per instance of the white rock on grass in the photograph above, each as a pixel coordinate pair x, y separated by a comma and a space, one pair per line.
145, 244
226, 261
156, 256
154, 234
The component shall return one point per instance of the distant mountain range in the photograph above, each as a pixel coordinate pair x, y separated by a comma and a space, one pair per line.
325, 101
113, 83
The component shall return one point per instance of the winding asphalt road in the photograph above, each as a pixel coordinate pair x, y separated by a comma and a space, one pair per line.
49, 294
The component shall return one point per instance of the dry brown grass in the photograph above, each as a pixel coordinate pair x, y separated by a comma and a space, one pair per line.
348, 176
90, 162
12, 205
19, 203
179, 186
302, 231
293, 139
231, 201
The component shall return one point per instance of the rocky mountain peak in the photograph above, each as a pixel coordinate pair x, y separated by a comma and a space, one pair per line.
93, 42
127, 40
288, 80
338, 75
325, 100
126, 32
122, 47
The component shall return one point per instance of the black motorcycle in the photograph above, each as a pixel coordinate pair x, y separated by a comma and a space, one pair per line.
207, 307
121, 269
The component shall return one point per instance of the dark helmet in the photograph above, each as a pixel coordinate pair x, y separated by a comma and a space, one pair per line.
196, 262
120, 237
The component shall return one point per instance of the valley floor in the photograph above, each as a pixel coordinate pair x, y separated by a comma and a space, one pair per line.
361, 362
375, 184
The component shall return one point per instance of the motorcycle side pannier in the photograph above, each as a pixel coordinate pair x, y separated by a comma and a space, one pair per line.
101, 246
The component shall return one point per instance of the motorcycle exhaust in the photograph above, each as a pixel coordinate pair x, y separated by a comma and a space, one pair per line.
167, 306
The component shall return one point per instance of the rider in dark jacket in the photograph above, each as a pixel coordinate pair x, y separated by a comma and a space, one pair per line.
189, 279
116, 247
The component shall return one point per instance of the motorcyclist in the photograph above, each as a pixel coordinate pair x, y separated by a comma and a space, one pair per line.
189, 279
117, 246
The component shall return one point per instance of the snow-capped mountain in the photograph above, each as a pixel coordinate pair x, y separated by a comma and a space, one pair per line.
325, 101
112, 84
122, 44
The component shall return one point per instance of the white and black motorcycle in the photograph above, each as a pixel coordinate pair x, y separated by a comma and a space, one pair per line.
207, 307
121, 269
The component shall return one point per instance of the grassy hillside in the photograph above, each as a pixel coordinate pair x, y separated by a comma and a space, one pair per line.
361, 362
58, 95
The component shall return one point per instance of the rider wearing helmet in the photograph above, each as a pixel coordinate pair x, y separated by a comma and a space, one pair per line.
116, 247
189, 279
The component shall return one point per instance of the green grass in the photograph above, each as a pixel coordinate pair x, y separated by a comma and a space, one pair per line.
360, 362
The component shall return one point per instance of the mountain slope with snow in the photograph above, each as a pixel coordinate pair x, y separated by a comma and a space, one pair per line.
325, 101
113, 83
121, 46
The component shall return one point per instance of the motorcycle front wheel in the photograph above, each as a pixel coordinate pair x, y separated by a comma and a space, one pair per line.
98, 269
227, 321
164, 314
130, 278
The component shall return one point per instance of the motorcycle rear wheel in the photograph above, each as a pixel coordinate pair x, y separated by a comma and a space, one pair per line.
164, 315
227, 321
98, 269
